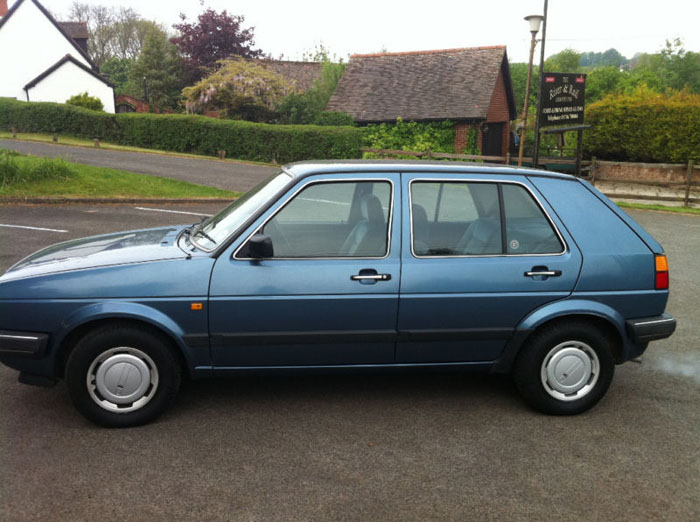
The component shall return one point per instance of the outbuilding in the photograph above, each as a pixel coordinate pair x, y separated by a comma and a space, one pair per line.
469, 86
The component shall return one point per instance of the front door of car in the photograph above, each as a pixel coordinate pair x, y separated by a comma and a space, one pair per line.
328, 294
479, 255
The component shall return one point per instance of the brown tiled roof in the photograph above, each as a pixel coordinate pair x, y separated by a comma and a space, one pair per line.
449, 84
76, 30
300, 74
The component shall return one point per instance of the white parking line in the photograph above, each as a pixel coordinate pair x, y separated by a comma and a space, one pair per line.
172, 211
34, 228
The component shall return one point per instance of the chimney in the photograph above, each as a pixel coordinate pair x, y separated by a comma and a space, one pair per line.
3, 8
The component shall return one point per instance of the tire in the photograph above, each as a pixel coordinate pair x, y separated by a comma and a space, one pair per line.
122, 375
565, 368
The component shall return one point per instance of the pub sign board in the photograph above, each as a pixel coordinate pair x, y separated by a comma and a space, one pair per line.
563, 100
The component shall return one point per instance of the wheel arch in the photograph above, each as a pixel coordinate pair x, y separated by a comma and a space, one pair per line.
602, 316
95, 317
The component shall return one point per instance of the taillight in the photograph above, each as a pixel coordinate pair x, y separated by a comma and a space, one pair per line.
661, 272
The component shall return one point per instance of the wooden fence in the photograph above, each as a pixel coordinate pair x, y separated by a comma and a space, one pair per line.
590, 170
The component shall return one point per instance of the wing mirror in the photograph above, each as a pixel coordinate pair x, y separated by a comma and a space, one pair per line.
260, 247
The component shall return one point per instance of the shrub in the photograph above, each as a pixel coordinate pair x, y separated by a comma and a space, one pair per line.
414, 136
86, 101
307, 107
187, 133
644, 126
334, 118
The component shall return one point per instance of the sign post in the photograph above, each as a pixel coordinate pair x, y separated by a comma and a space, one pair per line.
562, 99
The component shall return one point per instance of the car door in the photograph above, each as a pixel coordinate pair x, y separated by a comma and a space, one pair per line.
329, 293
480, 253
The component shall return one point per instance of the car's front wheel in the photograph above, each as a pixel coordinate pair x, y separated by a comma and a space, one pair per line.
122, 375
565, 368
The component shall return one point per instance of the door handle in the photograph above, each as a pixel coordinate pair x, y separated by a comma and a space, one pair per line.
543, 272
371, 277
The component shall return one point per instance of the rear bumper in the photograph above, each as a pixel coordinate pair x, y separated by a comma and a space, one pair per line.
651, 328
23, 344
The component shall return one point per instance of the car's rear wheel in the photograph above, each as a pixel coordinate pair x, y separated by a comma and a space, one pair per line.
122, 375
565, 368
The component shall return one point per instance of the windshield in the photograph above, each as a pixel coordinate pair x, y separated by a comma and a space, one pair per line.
219, 227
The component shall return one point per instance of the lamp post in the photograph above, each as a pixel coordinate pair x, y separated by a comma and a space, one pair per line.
536, 153
145, 89
535, 21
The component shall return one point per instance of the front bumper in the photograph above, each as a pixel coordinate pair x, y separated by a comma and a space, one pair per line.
651, 328
23, 344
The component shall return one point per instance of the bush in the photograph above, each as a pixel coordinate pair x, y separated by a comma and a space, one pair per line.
644, 126
187, 133
334, 118
86, 101
413, 136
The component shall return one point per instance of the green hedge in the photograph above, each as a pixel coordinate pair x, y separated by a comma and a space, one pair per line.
645, 126
184, 133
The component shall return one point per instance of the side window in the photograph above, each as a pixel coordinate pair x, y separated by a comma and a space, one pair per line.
528, 231
455, 218
333, 219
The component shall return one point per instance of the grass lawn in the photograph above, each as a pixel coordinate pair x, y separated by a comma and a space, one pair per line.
664, 208
82, 142
85, 181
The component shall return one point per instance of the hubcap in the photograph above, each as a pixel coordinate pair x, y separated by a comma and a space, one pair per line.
122, 379
570, 370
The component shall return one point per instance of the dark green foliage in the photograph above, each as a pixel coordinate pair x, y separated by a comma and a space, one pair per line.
306, 107
518, 76
645, 126
611, 57
334, 118
183, 133
13, 172
414, 136
86, 101
566, 61
117, 71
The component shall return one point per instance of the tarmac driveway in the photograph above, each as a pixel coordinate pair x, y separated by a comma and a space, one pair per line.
229, 175
357, 447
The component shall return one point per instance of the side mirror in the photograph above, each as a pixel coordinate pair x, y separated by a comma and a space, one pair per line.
260, 247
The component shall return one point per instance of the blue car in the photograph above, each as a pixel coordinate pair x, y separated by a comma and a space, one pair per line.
330, 266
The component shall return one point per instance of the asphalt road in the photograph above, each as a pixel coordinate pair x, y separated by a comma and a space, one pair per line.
418, 447
229, 175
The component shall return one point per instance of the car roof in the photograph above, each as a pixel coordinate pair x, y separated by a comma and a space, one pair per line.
308, 168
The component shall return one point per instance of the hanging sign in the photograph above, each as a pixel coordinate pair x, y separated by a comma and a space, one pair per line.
563, 99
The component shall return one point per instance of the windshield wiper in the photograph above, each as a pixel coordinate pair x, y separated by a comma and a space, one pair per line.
199, 231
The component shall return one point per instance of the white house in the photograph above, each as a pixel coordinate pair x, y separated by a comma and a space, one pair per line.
46, 60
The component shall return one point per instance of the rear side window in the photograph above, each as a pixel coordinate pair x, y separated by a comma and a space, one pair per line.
476, 218
528, 231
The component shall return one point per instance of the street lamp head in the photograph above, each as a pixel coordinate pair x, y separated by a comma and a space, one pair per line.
535, 22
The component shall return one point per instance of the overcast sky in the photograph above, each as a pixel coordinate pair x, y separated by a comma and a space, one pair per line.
290, 27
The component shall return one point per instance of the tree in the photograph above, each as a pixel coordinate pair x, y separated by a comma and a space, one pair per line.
239, 88
518, 77
117, 71
100, 21
113, 32
607, 58
212, 38
566, 61
158, 69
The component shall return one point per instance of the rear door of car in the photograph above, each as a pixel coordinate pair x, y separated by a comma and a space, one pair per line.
467, 280
329, 295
